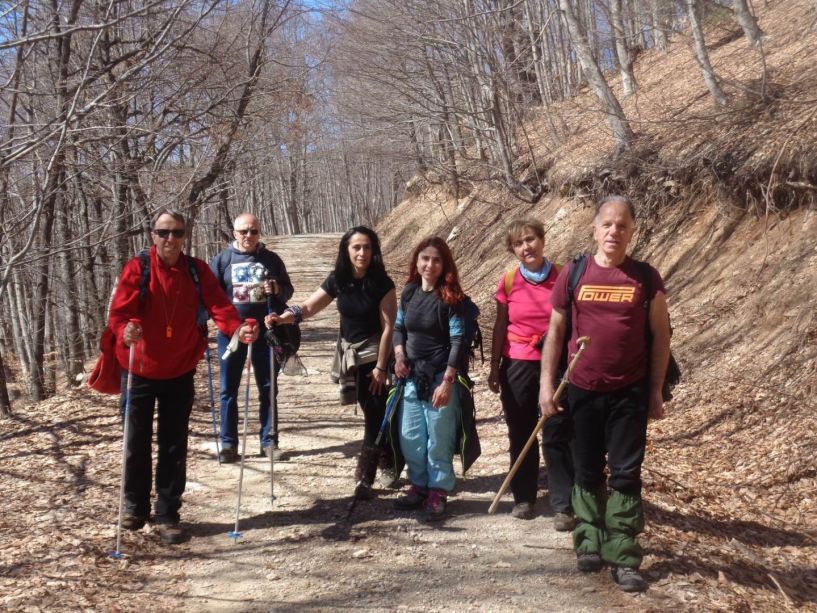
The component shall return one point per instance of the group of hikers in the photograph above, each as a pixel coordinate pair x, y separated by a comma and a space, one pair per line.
599, 425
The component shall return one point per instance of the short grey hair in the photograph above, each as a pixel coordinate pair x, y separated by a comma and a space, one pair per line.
615, 198
168, 211
245, 215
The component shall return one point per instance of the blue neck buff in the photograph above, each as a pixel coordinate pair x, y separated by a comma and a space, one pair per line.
537, 276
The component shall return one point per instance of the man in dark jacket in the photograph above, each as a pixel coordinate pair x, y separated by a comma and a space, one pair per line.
168, 345
249, 273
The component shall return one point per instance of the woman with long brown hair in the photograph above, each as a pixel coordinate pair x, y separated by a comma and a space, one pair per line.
428, 351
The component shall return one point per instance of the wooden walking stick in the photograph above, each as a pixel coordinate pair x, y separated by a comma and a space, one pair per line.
584, 343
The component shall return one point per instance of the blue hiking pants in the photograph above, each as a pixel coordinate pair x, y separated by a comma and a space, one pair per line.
428, 437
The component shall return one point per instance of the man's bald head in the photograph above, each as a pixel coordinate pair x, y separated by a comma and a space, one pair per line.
247, 232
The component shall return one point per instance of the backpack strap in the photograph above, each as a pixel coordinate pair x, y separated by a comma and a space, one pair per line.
201, 318
577, 268
144, 277
509, 277
646, 281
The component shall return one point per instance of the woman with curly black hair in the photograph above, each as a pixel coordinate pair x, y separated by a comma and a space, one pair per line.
367, 304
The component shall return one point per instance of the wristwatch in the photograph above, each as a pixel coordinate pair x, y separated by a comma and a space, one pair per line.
448, 378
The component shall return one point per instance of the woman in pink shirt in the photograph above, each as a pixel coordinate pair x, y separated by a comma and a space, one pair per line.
522, 318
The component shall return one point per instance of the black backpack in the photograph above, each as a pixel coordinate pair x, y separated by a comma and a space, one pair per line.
577, 268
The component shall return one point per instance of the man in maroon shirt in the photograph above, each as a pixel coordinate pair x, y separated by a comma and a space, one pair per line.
168, 346
613, 390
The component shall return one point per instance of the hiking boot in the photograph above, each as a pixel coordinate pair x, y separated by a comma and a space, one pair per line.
363, 491
523, 510
588, 562
133, 522
274, 450
434, 507
170, 534
413, 499
387, 478
227, 455
628, 579
564, 522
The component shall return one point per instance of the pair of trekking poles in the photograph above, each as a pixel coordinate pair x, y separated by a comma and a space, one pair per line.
235, 534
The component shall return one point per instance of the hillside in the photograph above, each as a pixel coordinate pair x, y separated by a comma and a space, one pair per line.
730, 473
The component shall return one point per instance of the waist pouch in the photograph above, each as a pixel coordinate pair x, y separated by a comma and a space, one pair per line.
424, 375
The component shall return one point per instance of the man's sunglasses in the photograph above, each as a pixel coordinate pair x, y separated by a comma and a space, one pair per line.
251, 232
164, 232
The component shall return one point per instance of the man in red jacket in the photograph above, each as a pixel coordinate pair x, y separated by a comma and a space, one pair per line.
168, 346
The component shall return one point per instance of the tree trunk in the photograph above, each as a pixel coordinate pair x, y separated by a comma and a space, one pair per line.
661, 22
5, 401
615, 114
701, 54
747, 21
625, 57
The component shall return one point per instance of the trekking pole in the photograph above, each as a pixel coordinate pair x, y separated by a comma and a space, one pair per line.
390, 406
212, 399
118, 555
584, 343
235, 534
273, 407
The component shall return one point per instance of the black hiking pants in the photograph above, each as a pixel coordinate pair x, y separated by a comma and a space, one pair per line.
519, 394
173, 399
611, 429
372, 405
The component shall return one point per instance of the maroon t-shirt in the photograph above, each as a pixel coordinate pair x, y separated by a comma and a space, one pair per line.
608, 306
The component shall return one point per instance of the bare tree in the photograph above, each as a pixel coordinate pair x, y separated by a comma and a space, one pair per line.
701, 54
623, 51
747, 21
610, 104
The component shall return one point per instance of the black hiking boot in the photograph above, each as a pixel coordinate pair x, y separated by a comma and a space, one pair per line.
133, 522
170, 534
365, 471
227, 455
588, 562
628, 579
523, 510
363, 491
564, 522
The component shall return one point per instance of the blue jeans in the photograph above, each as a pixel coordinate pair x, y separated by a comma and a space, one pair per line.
232, 370
428, 437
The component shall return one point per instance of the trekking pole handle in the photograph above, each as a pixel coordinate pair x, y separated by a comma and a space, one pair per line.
584, 343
